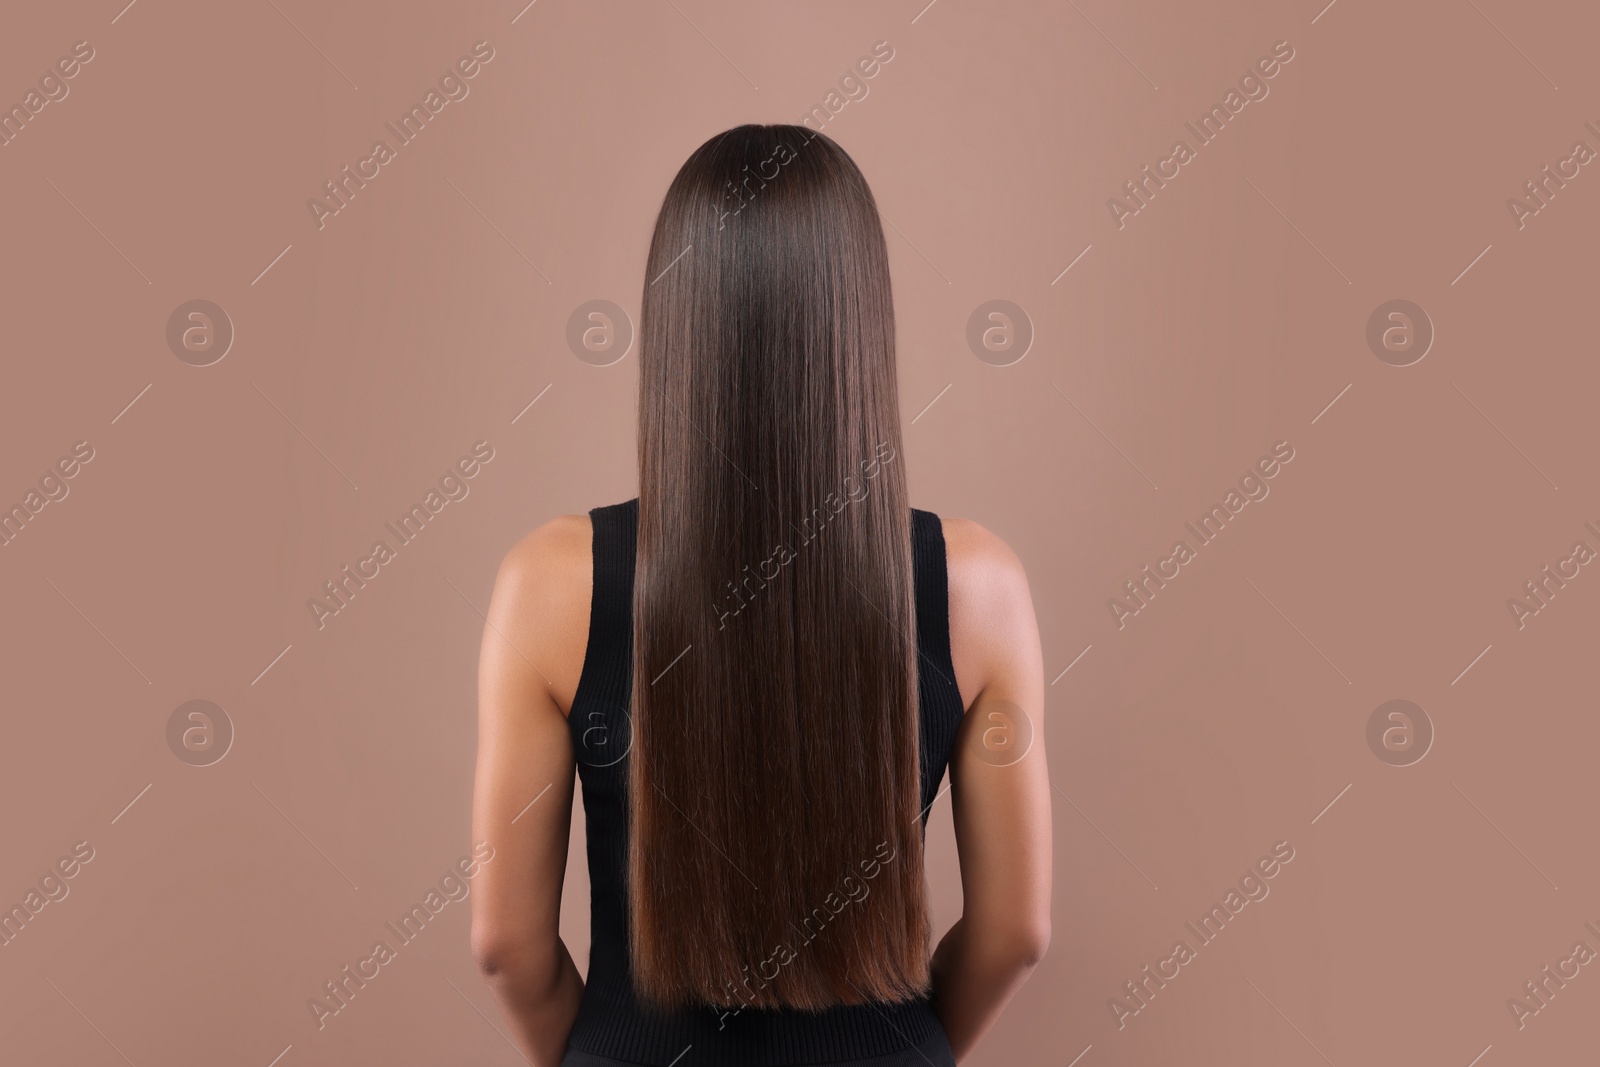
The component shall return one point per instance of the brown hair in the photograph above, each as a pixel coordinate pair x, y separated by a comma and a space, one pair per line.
776, 847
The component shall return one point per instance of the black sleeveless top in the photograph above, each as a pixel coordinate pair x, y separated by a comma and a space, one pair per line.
611, 1023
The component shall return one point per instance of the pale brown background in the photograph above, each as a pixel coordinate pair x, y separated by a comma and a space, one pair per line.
376, 351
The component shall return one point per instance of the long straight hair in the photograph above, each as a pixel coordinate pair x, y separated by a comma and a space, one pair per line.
776, 848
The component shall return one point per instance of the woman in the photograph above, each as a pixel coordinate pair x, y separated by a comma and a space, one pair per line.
760, 669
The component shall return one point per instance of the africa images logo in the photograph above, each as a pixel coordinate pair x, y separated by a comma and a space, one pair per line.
1251, 888
453, 886
453, 87
1253, 86
340, 592
1207, 528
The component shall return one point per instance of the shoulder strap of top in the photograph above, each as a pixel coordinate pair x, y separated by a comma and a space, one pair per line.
939, 698
933, 601
608, 660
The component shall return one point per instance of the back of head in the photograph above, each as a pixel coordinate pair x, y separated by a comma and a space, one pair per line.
776, 850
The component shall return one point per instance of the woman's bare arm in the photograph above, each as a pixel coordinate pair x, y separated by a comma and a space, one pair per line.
533, 646
1000, 788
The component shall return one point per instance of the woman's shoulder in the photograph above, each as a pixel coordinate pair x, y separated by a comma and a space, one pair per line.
553, 551
541, 600
990, 603
978, 559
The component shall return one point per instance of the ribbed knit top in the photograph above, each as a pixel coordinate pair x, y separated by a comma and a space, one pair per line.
611, 1022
